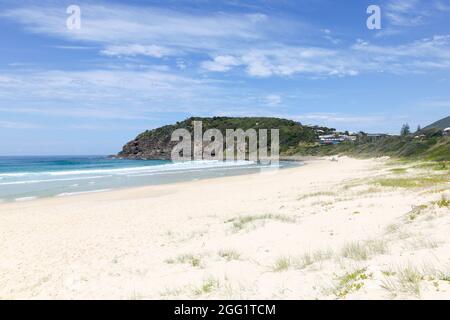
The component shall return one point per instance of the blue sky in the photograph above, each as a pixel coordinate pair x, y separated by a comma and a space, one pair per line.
136, 65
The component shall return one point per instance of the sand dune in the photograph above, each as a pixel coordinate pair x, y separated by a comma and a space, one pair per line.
346, 229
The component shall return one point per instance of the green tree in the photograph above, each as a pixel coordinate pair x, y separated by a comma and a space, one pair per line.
405, 130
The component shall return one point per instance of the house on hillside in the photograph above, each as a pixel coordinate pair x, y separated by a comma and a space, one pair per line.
447, 131
335, 138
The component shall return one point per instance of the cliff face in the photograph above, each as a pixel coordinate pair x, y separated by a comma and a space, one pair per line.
156, 144
144, 148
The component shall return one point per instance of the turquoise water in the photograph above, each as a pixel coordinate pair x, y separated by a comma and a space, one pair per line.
27, 178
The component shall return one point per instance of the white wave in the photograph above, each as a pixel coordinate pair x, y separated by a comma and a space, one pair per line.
68, 194
50, 180
24, 199
201, 164
155, 168
191, 171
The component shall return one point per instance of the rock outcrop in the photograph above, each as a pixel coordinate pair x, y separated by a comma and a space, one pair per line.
157, 144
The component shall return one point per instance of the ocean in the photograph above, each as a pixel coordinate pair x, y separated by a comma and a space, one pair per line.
28, 178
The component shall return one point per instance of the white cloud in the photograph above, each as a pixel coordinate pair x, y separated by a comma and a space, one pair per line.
115, 94
421, 55
119, 24
137, 49
404, 13
253, 43
287, 61
221, 63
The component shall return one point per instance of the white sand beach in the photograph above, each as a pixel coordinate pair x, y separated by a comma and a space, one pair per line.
327, 230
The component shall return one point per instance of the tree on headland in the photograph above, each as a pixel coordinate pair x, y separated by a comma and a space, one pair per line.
418, 128
405, 130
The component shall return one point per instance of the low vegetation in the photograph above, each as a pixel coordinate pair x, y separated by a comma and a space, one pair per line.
193, 260
282, 264
229, 254
241, 222
350, 282
431, 146
362, 250
404, 280
444, 202
209, 285
413, 182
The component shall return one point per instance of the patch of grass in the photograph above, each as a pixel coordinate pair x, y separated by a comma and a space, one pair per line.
407, 281
416, 211
208, 286
412, 182
392, 228
308, 259
444, 276
436, 165
241, 222
355, 251
316, 194
362, 250
324, 203
305, 260
369, 190
398, 170
388, 273
282, 264
229, 254
191, 259
443, 202
350, 282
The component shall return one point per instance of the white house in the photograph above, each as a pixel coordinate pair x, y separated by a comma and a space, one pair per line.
447, 131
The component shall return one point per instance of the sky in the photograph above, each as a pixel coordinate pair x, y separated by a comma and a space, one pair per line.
136, 65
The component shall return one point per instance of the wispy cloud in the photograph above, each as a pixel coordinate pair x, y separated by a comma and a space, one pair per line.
253, 43
116, 24
404, 12
137, 49
17, 125
273, 100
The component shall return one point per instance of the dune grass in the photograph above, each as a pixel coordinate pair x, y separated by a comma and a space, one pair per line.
317, 194
398, 170
363, 250
229, 254
416, 212
208, 285
350, 282
308, 259
193, 260
303, 261
444, 202
282, 264
407, 280
241, 222
413, 182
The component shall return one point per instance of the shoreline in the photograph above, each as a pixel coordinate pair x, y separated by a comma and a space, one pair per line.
291, 234
33, 198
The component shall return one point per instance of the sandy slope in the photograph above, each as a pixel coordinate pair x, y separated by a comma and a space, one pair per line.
320, 231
